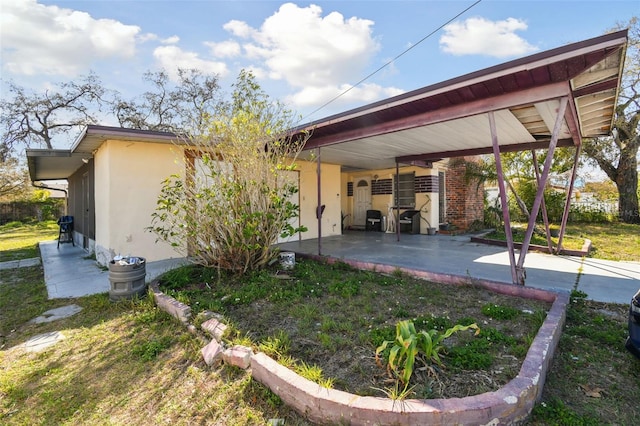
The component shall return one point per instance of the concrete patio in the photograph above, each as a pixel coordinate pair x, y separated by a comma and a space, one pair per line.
602, 280
69, 272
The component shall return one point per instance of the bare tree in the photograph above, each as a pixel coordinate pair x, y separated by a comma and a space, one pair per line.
33, 120
617, 155
176, 107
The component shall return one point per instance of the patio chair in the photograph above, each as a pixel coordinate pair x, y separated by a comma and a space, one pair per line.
374, 220
65, 235
410, 221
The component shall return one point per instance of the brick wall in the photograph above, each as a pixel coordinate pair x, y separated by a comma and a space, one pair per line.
465, 201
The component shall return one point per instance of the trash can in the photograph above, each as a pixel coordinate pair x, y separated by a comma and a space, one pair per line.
287, 260
127, 278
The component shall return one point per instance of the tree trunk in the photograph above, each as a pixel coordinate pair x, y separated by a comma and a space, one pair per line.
627, 183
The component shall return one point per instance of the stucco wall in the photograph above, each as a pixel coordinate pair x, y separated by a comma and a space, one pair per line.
129, 177
331, 197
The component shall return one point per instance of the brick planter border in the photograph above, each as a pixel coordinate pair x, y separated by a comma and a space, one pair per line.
586, 247
508, 405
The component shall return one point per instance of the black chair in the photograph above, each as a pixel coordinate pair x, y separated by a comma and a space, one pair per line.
66, 230
374, 220
410, 221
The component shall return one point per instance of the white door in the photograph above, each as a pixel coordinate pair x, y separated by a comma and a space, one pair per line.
362, 202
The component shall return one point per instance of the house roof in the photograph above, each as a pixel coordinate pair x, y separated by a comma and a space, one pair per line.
47, 164
449, 119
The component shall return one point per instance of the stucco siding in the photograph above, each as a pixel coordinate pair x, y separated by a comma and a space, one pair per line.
330, 196
129, 178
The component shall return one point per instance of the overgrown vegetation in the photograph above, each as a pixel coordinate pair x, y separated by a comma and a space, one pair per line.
237, 197
334, 317
593, 380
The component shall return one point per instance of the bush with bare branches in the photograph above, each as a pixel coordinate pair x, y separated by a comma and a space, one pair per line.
235, 199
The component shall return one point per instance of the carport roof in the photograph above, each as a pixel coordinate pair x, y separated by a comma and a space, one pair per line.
449, 119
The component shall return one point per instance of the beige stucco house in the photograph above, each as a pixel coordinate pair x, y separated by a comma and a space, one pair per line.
115, 177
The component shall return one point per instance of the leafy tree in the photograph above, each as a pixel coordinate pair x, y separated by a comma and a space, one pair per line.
33, 120
603, 191
617, 155
520, 177
14, 180
234, 200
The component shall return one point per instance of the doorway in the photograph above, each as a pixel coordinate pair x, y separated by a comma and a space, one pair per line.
362, 202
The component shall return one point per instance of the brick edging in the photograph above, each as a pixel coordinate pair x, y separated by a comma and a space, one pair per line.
586, 246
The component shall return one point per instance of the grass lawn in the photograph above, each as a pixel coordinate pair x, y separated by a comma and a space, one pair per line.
129, 363
20, 241
612, 241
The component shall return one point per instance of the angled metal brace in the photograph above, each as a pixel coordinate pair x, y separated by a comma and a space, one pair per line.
545, 216
543, 181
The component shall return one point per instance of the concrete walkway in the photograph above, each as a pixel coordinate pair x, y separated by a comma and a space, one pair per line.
602, 280
68, 272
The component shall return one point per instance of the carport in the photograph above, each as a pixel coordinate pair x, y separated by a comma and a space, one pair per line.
544, 101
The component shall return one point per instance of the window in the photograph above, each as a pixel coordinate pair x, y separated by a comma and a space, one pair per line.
406, 195
442, 198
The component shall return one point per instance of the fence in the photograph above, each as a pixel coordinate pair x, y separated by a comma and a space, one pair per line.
23, 211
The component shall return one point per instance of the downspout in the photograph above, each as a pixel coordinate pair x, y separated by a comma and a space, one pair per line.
397, 201
319, 204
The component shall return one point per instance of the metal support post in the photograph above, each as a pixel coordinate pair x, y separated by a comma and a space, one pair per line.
503, 199
567, 204
318, 208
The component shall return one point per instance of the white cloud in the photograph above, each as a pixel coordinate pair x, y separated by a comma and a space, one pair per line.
59, 41
239, 28
171, 40
315, 54
479, 36
172, 57
366, 92
224, 49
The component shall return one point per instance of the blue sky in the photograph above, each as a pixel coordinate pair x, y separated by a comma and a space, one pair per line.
303, 53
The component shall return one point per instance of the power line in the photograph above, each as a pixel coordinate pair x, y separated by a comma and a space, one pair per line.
392, 60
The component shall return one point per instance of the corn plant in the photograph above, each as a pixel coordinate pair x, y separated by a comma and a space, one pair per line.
410, 344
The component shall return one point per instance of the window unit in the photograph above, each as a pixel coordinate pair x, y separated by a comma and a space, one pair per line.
405, 194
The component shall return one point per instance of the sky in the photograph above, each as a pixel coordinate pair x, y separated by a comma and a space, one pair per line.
309, 55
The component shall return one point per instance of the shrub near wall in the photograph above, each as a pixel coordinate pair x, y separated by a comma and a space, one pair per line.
25, 211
